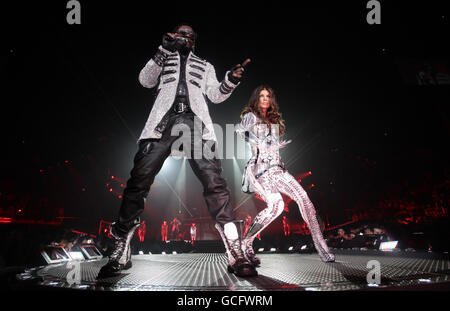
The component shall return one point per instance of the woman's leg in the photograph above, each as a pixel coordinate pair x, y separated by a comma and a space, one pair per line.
288, 185
264, 187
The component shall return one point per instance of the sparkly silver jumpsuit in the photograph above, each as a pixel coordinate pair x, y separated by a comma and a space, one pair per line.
265, 175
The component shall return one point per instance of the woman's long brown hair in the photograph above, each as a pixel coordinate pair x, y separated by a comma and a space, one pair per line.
272, 115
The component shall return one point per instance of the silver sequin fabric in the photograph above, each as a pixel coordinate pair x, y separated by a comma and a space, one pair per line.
201, 81
274, 182
259, 136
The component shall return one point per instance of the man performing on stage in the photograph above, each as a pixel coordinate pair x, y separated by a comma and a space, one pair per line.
183, 82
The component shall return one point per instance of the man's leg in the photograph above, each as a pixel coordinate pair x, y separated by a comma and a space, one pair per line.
217, 198
147, 163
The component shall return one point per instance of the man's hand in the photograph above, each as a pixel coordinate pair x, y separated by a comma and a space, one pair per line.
238, 70
168, 42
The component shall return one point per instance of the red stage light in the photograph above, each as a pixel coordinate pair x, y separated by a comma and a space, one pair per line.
112, 177
110, 189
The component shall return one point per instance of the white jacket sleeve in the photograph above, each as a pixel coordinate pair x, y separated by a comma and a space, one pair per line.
216, 91
149, 75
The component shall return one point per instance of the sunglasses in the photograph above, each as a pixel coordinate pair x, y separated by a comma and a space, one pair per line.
187, 34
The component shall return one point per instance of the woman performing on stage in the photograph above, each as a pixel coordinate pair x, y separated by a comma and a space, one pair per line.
262, 126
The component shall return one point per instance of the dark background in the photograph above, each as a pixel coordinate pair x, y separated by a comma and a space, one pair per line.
71, 93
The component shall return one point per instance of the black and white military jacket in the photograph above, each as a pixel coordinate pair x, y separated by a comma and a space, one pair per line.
201, 81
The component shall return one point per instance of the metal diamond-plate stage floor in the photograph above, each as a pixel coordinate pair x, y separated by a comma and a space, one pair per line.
208, 271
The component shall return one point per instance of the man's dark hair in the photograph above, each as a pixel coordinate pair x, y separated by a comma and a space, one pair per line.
183, 24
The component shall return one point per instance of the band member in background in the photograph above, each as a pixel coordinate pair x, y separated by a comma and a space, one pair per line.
262, 126
141, 231
183, 83
247, 223
286, 226
175, 228
193, 232
164, 231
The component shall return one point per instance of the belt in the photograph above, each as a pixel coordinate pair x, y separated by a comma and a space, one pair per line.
259, 174
180, 107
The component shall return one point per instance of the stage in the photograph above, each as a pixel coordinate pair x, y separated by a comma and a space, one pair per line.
400, 270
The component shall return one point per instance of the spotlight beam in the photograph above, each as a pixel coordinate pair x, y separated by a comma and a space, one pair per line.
307, 146
177, 196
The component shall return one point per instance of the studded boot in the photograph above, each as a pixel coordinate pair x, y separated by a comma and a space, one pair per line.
120, 258
237, 263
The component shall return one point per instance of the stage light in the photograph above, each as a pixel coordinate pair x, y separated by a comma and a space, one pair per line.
55, 254
164, 253
112, 177
168, 165
90, 251
261, 250
424, 280
273, 249
291, 248
174, 253
81, 286
388, 246
141, 253
76, 255
303, 247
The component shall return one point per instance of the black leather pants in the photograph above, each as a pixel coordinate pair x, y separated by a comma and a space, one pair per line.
147, 163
